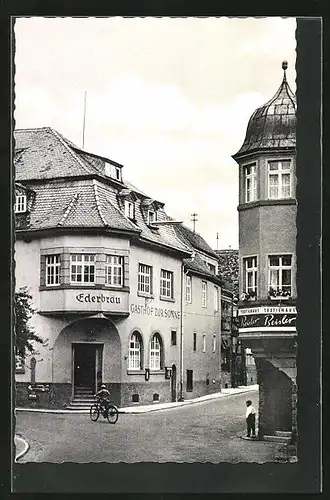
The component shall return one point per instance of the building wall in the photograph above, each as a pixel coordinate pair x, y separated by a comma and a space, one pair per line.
275, 399
268, 227
202, 321
146, 315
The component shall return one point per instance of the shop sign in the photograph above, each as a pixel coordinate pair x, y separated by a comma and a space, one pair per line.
99, 298
154, 311
267, 318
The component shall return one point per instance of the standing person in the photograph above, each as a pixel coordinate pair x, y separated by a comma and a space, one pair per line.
250, 419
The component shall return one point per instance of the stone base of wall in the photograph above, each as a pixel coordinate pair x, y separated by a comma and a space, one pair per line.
145, 393
57, 397
200, 388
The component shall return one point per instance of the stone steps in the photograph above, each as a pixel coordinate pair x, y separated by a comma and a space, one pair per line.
283, 433
279, 438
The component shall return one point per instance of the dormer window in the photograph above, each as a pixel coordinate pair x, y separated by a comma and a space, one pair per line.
112, 171
152, 216
118, 173
20, 205
129, 209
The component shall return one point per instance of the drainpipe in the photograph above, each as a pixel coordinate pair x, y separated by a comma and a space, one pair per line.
181, 332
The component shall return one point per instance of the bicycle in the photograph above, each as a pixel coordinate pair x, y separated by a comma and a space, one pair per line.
110, 413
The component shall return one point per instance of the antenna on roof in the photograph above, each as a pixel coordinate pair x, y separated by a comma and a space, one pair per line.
84, 121
194, 219
217, 241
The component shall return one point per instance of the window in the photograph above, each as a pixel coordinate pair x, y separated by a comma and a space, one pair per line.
82, 269
114, 270
194, 341
214, 342
166, 284
204, 293
250, 183
216, 299
107, 169
52, 270
173, 337
279, 179
144, 279
190, 380
280, 273
118, 173
129, 209
204, 343
151, 216
212, 268
156, 352
188, 289
250, 276
20, 205
112, 171
135, 352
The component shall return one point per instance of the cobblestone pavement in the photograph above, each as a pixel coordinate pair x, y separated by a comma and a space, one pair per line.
208, 431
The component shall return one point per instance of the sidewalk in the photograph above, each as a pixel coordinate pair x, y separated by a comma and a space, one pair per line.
21, 447
157, 406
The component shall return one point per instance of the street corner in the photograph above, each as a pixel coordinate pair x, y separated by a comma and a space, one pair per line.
21, 447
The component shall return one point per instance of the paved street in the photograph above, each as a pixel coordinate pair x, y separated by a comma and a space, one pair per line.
203, 432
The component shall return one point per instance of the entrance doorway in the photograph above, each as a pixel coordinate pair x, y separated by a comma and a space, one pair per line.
87, 368
173, 383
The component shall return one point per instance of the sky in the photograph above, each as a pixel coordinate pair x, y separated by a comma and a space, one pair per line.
168, 98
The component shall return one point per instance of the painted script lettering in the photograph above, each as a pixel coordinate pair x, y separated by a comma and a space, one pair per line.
101, 298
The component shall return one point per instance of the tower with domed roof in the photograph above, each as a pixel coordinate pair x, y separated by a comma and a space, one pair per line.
267, 256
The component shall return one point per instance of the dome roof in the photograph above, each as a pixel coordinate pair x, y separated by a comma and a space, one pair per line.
273, 125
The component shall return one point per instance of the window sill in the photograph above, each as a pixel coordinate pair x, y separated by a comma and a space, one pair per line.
97, 286
267, 201
166, 299
145, 295
116, 288
157, 372
135, 372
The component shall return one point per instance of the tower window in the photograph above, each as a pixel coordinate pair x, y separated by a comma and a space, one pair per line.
279, 179
280, 271
250, 276
250, 174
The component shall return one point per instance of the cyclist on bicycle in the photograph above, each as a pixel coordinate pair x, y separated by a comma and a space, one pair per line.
103, 397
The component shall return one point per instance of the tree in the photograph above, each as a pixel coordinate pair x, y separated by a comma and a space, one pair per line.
229, 268
25, 336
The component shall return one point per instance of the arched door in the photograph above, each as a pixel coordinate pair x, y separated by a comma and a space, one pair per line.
173, 383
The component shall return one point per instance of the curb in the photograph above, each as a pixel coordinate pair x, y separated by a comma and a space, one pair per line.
24, 444
147, 408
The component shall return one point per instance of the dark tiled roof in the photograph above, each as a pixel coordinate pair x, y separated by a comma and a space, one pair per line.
198, 265
43, 154
273, 125
194, 240
74, 204
64, 197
